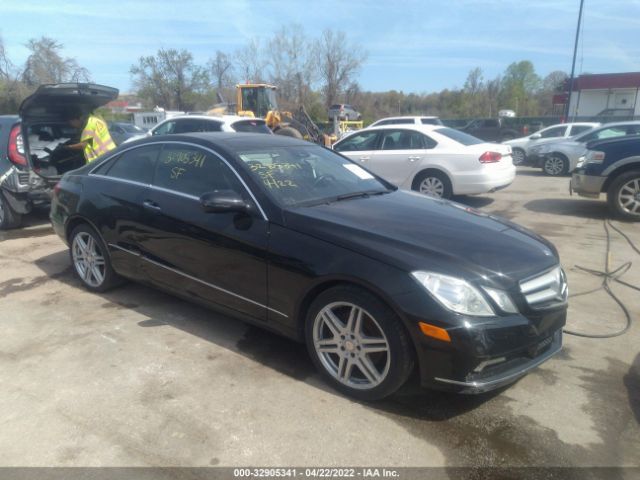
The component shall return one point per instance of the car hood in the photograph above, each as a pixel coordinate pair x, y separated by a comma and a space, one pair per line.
49, 102
414, 232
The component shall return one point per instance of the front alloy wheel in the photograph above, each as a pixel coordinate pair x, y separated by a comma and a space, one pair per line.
555, 166
358, 343
351, 345
624, 195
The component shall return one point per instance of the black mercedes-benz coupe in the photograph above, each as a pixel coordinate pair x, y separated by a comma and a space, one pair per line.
300, 240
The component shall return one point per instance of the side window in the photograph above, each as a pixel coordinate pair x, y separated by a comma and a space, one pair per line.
611, 132
390, 140
576, 129
553, 132
358, 142
428, 142
406, 140
490, 123
136, 165
193, 171
165, 128
197, 125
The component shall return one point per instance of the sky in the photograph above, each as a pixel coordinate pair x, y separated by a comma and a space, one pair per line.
412, 45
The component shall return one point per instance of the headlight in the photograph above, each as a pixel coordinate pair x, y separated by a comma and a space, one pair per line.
502, 299
454, 294
594, 156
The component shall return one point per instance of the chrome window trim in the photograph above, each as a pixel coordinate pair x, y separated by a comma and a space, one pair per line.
262, 212
122, 180
195, 279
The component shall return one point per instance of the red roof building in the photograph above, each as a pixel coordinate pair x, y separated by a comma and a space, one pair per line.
605, 94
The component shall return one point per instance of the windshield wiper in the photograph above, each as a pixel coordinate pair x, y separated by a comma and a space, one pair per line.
366, 193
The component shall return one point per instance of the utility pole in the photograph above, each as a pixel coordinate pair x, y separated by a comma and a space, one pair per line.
573, 64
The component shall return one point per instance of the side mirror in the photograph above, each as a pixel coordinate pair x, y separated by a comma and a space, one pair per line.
224, 201
535, 136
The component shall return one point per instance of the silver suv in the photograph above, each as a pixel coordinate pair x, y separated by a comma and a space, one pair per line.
344, 112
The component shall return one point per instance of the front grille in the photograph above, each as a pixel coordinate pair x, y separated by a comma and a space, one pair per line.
546, 290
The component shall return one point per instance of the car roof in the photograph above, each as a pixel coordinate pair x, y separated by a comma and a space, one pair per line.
406, 117
407, 126
615, 124
217, 118
230, 141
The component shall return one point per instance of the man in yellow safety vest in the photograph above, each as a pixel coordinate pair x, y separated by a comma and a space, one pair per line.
95, 139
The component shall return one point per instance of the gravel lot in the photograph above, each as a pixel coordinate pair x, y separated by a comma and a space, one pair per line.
135, 377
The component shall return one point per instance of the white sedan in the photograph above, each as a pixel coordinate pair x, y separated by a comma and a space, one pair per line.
431, 159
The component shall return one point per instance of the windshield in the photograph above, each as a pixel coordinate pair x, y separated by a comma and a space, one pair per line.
130, 128
458, 136
308, 175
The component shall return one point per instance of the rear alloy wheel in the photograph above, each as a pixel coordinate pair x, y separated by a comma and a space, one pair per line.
555, 165
8, 218
623, 195
518, 156
433, 184
90, 260
358, 344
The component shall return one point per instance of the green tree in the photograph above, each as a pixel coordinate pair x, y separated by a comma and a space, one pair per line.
171, 80
519, 83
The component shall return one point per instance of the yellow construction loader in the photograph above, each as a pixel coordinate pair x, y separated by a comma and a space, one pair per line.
259, 100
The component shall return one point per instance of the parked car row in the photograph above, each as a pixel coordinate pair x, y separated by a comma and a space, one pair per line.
301, 240
559, 156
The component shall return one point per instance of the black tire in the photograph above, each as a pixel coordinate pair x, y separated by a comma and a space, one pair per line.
289, 132
627, 184
396, 362
110, 278
518, 156
555, 165
8, 217
417, 185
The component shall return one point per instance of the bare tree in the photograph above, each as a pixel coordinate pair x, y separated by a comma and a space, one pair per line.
292, 64
339, 63
171, 80
250, 62
45, 64
12, 89
221, 69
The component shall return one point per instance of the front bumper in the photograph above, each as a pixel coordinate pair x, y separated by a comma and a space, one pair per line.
484, 353
509, 372
586, 185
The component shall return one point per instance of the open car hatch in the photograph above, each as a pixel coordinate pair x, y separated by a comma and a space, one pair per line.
44, 127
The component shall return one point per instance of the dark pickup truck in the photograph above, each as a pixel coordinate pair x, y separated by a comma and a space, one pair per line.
494, 129
611, 167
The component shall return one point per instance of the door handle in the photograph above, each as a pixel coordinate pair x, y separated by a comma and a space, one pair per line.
150, 205
414, 158
364, 159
